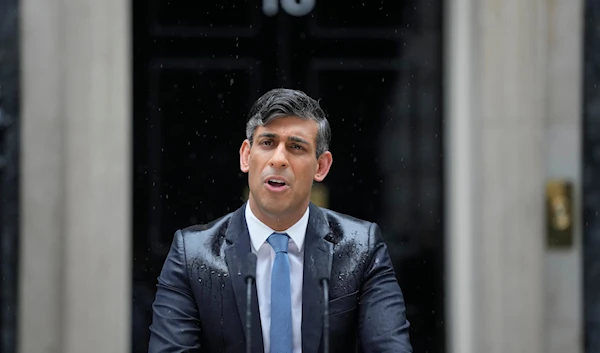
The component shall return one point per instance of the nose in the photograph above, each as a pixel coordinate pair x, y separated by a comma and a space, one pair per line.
279, 157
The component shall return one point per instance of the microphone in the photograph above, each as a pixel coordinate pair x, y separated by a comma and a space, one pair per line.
249, 277
323, 274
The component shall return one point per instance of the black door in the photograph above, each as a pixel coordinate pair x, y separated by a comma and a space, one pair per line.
376, 66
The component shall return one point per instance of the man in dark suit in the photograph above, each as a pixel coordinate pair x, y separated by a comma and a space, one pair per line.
200, 303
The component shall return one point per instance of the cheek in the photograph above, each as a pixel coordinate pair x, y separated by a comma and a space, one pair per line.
254, 171
306, 176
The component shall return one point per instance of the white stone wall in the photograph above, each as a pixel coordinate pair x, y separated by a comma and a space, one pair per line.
513, 83
75, 177
563, 285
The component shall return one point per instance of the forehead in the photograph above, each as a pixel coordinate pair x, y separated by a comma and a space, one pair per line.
290, 126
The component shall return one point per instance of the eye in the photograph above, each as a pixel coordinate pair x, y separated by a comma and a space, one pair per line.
266, 142
298, 147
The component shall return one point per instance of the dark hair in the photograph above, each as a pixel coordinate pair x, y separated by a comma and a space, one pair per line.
282, 102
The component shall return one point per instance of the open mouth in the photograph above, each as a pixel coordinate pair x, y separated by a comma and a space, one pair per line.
276, 184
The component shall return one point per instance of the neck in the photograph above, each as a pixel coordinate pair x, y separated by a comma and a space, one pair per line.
280, 221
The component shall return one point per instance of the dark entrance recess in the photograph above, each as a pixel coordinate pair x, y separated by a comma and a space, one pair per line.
377, 68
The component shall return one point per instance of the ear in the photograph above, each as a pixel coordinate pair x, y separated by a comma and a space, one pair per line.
245, 156
323, 165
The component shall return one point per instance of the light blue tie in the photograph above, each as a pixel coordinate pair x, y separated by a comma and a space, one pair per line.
281, 298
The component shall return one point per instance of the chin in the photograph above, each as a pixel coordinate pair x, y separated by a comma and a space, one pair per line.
270, 204
280, 208
276, 207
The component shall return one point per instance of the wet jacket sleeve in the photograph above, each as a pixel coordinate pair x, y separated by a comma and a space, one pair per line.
383, 327
175, 324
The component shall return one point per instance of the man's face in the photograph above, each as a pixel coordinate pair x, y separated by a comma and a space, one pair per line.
282, 164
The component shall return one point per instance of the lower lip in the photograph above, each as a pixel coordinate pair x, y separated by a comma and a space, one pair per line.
276, 188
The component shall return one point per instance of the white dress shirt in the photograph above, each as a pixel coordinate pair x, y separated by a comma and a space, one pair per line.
259, 232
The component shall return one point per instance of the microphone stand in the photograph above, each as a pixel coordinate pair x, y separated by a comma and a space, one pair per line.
323, 266
248, 315
325, 284
250, 277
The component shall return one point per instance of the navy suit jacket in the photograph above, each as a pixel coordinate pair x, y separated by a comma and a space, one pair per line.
200, 302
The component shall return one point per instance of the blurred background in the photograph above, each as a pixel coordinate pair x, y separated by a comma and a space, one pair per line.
469, 130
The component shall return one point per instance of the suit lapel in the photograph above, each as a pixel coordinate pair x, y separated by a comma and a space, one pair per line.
312, 294
238, 246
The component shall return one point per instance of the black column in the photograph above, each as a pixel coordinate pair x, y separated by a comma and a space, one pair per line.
9, 167
591, 177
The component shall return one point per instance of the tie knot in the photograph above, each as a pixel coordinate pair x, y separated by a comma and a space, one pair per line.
279, 242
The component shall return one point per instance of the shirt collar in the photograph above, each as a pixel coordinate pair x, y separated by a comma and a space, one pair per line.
259, 232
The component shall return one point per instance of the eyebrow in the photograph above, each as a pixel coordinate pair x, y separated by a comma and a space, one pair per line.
268, 135
291, 138
298, 139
